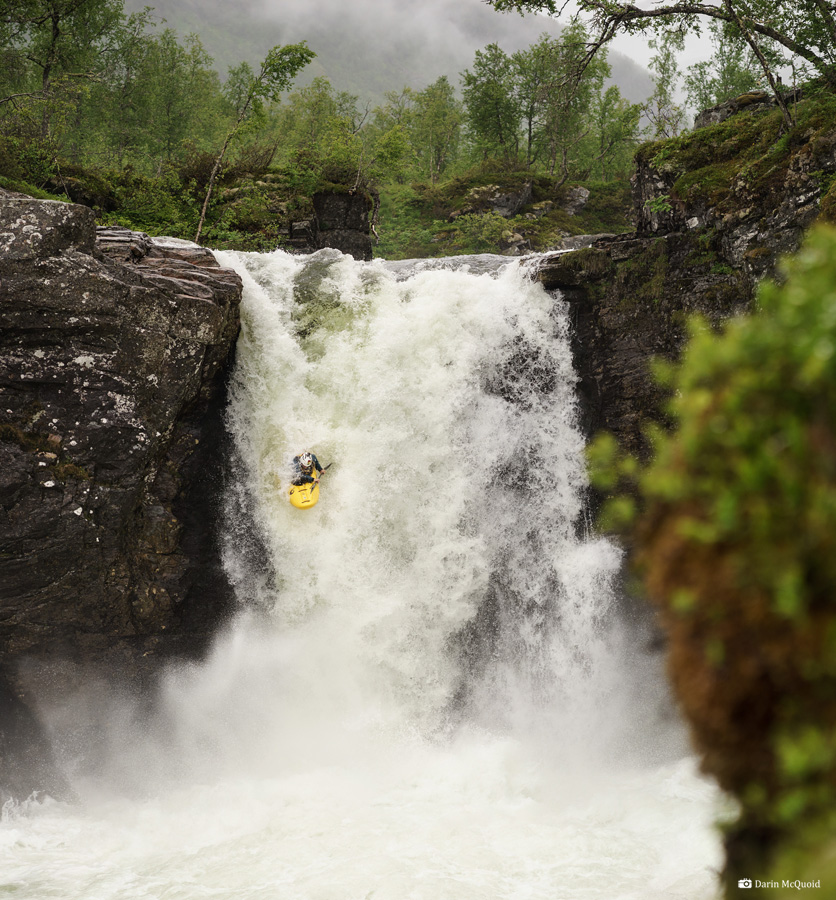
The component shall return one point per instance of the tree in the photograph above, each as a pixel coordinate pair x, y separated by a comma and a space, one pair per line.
805, 29
311, 113
534, 77
616, 129
435, 127
667, 117
184, 94
546, 107
395, 118
49, 41
572, 88
63, 60
492, 107
743, 25
249, 91
113, 114
322, 137
728, 73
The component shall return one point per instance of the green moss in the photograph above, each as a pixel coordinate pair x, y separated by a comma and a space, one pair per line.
746, 154
700, 257
592, 262
643, 277
608, 209
23, 187
13, 435
757, 252
67, 471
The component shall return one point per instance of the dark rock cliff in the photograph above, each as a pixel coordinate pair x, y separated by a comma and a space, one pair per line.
343, 222
114, 351
710, 224
629, 301
340, 220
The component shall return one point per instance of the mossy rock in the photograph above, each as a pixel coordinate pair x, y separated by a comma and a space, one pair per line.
751, 155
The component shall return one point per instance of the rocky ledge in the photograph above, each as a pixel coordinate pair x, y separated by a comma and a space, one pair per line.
114, 353
707, 232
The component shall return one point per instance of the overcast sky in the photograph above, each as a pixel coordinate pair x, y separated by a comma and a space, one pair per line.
378, 45
438, 29
447, 22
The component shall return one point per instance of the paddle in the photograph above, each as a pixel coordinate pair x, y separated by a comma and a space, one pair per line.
324, 470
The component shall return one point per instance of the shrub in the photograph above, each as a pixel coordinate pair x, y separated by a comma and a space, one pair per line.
736, 539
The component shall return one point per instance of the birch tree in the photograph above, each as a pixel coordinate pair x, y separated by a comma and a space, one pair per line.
249, 92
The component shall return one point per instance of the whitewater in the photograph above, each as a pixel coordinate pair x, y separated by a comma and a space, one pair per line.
432, 689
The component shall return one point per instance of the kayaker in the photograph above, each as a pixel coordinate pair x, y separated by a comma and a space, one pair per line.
304, 467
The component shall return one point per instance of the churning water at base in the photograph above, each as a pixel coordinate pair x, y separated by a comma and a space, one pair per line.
428, 694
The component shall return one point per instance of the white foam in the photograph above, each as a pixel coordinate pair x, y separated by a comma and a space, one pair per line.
342, 741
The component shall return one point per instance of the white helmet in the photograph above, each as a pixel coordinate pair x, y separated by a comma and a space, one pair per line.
306, 460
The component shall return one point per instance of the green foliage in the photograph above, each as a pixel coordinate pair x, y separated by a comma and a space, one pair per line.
729, 72
424, 219
148, 128
659, 204
435, 128
805, 32
248, 93
481, 233
12, 184
667, 117
609, 208
615, 132
738, 517
154, 205
279, 68
407, 230
491, 103
546, 107
828, 204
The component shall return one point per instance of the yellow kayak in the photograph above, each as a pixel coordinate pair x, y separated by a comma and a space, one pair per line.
304, 496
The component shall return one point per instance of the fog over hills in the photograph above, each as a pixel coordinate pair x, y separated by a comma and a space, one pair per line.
369, 47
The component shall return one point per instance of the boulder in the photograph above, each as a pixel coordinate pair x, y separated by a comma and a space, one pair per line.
575, 200
502, 200
751, 102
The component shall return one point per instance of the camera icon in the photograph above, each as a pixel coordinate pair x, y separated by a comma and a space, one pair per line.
744, 883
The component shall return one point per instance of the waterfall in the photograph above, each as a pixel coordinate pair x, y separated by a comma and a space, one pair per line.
430, 691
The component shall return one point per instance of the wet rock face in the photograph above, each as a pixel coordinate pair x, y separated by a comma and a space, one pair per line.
757, 230
629, 300
342, 222
27, 763
114, 349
